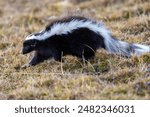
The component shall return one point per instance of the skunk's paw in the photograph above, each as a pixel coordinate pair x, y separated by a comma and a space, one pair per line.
26, 66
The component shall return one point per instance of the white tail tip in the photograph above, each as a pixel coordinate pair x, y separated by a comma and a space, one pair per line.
140, 49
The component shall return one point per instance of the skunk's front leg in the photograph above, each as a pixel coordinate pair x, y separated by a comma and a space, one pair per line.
37, 58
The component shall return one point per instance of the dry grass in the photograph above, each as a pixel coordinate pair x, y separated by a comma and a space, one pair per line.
106, 77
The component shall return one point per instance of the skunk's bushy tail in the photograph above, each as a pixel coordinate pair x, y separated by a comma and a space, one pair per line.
125, 49
116, 46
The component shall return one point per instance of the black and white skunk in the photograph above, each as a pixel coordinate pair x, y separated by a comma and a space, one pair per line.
77, 36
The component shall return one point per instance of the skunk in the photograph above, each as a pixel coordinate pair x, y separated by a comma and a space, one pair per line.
77, 36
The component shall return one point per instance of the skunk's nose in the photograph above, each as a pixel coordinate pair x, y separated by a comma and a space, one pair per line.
24, 51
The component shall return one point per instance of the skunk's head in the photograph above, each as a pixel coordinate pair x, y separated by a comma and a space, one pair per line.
31, 42
29, 46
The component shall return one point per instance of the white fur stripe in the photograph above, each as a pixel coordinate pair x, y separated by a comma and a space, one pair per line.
64, 28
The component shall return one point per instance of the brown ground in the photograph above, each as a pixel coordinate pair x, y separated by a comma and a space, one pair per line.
106, 77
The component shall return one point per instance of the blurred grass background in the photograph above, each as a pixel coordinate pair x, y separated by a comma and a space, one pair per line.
106, 77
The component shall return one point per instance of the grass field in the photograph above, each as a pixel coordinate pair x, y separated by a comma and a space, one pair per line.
106, 77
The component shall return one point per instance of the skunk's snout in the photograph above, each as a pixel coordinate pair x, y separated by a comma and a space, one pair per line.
25, 50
